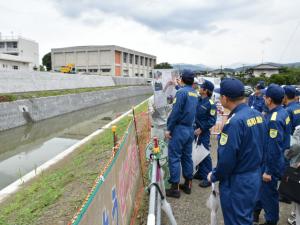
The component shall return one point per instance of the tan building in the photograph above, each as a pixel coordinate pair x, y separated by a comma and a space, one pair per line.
265, 69
107, 60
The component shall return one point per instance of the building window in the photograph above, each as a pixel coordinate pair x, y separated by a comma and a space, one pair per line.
105, 70
136, 74
125, 56
142, 75
142, 61
136, 60
146, 61
15, 67
2, 45
150, 62
131, 59
81, 70
93, 70
12, 44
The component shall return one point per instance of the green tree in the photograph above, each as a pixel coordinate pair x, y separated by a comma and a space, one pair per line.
47, 61
42, 68
163, 65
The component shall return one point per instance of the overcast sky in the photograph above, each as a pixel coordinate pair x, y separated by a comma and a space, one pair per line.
210, 32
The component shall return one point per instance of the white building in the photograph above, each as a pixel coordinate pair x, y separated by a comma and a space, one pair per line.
24, 51
265, 69
108, 60
12, 62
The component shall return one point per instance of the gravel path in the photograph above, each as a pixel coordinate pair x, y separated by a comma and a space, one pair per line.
192, 210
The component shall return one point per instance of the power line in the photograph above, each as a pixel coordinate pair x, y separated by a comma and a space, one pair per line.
289, 41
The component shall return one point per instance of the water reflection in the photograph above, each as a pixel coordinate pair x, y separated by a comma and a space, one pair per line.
24, 148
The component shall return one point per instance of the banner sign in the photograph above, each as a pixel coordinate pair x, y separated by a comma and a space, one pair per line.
164, 82
112, 197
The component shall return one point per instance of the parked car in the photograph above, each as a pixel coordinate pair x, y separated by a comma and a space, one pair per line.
248, 90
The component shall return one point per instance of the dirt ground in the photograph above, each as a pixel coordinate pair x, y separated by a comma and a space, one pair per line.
192, 210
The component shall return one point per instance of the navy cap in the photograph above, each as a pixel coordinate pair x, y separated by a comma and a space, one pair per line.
231, 87
260, 85
187, 73
207, 85
290, 91
275, 92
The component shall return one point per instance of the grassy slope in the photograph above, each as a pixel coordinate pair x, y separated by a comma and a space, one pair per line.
28, 204
38, 94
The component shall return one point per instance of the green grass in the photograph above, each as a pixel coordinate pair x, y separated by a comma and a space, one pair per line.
38, 94
28, 204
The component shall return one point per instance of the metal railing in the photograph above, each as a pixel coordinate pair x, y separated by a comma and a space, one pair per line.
157, 201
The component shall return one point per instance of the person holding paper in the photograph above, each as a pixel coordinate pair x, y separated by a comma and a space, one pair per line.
206, 116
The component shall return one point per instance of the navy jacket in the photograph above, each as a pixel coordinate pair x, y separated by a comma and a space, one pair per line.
241, 144
293, 109
256, 102
278, 140
206, 116
184, 108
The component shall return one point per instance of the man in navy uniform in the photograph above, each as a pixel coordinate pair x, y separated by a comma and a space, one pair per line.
206, 116
180, 134
256, 100
291, 106
240, 153
277, 141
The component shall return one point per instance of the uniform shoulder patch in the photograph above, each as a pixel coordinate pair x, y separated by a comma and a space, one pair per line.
297, 111
273, 133
212, 112
211, 101
223, 139
174, 101
287, 120
274, 116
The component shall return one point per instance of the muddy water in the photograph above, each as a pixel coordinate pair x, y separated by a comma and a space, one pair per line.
24, 148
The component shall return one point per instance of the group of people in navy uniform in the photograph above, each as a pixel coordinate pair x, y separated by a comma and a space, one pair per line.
250, 150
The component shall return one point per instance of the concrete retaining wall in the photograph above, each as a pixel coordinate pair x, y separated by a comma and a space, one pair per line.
129, 80
18, 113
27, 81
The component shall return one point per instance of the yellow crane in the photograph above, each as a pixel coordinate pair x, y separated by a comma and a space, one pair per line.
69, 68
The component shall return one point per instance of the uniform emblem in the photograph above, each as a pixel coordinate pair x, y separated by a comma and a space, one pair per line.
287, 120
223, 139
212, 112
192, 94
273, 133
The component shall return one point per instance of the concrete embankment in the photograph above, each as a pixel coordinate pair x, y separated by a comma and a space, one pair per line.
26, 81
18, 113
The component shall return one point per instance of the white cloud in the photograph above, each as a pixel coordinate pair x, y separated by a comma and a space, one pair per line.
211, 32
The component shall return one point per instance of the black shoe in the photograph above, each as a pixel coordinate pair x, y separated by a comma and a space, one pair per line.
173, 191
186, 187
256, 217
284, 199
204, 183
197, 176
